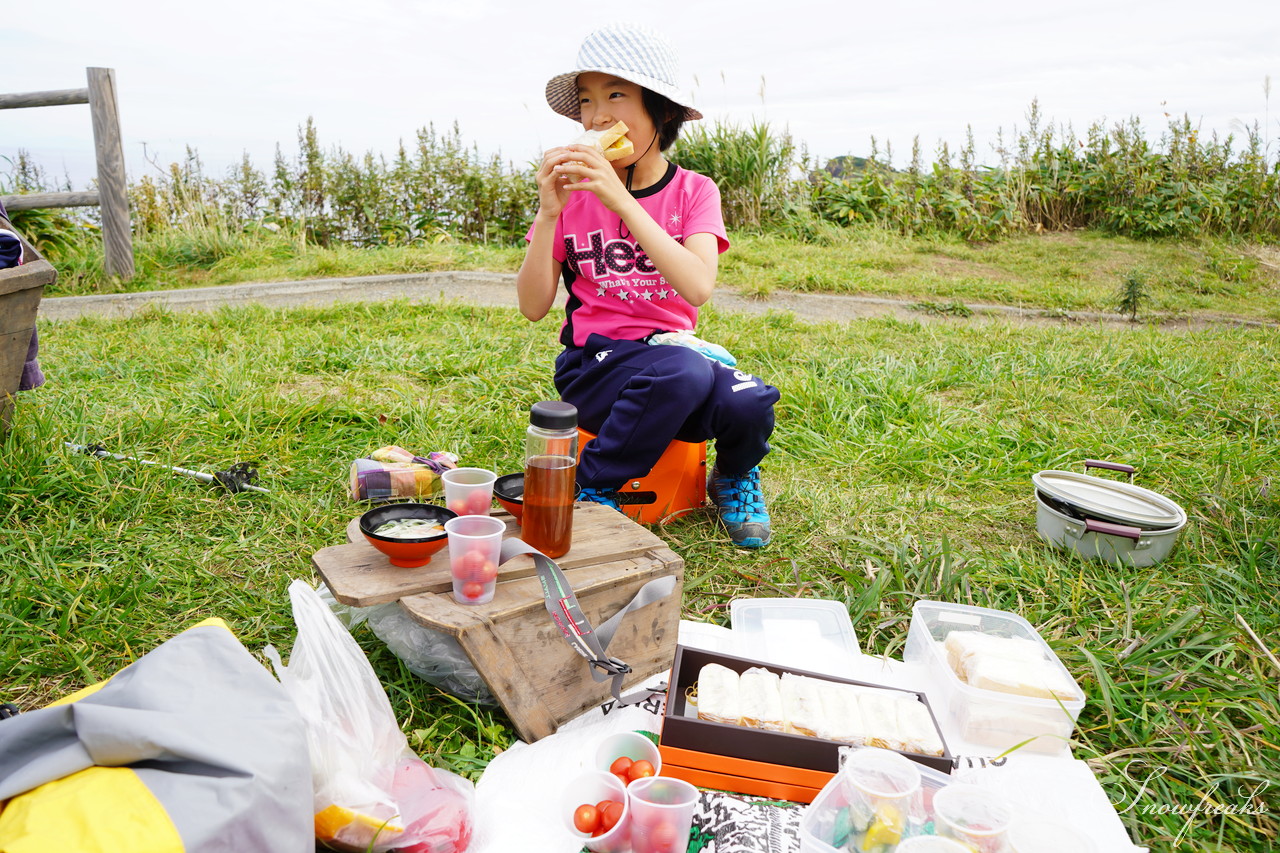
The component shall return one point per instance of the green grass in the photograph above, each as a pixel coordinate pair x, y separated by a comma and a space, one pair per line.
1059, 273
901, 470
1070, 271
173, 260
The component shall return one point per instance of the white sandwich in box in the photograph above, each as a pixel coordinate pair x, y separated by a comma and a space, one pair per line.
718, 696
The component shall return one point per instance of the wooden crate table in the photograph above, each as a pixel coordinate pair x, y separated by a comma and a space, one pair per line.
539, 680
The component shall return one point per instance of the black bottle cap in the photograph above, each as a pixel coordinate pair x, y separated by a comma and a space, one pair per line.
553, 414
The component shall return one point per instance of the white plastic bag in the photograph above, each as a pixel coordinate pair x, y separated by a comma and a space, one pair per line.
371, 792
433, 656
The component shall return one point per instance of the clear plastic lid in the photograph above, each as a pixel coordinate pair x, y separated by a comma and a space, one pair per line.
811, 631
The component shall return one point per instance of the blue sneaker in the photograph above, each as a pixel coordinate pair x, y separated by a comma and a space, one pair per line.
608, 497
741, 507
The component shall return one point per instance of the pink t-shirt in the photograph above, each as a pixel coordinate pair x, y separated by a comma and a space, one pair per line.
614, 289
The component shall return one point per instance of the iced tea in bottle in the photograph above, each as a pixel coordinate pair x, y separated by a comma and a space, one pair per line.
551, 463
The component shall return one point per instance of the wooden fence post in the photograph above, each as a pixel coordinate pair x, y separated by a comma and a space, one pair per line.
116, 236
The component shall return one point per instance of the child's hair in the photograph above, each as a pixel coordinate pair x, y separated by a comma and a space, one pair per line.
667, 115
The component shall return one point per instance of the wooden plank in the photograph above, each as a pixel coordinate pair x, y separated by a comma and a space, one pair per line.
116, 237
360, 575
50, 98
520, 697
45, 201
18, 312
532, 671
518, 598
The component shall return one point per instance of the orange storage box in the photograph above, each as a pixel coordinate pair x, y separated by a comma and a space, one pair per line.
678, 482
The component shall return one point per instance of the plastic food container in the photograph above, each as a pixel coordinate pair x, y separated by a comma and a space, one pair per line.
983, 716
830, 820
814, 633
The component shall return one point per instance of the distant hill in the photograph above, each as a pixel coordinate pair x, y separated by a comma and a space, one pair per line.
845, 166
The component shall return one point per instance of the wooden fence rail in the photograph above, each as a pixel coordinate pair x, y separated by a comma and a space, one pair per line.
112, 195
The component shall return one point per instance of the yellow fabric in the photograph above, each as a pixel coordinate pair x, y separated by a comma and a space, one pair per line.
105, 809
98, 810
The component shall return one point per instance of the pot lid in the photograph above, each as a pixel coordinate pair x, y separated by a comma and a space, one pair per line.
1111, 500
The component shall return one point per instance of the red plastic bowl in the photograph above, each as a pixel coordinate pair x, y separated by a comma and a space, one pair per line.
406, 553
509, 490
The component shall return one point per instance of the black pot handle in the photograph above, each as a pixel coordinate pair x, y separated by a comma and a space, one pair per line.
1092, 525
1110, 466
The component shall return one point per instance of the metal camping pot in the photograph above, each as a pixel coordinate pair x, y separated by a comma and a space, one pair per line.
1107, 520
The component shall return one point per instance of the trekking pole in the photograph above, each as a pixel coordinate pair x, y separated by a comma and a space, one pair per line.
240, 477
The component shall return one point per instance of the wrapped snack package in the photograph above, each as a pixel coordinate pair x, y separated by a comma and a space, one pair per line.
393, 472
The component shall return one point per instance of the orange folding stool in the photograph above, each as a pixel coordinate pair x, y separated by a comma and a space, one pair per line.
677, 482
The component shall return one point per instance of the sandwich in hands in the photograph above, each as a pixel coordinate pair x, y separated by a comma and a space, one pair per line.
612, 142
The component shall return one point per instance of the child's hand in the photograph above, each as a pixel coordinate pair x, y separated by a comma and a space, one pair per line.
552, 190
584, 169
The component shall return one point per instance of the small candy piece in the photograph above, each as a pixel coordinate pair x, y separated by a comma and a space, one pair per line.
886, 829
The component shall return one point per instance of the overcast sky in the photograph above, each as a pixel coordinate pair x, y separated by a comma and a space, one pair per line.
237, 76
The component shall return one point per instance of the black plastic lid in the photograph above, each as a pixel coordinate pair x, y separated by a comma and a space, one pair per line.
553, 414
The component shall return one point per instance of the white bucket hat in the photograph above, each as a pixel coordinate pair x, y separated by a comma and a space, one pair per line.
628, 51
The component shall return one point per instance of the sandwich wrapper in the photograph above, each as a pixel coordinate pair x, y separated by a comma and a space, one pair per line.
513, 814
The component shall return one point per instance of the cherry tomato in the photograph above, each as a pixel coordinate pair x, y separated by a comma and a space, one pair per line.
639, 770
662, 837
472, 590
611, 814
586, 818
622, 777
478, 503
459, 506
473, 561
620, 765
488, 572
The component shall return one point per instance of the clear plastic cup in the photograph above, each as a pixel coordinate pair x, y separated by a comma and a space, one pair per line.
885, 795
632, 745
468, 491
591, 789
1038, 835
661, 814
475, 543
973, 816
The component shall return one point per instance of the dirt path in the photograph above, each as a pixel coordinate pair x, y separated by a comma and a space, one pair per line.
498, 290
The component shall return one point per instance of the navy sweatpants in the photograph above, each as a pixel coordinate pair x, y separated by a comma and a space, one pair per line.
636, 398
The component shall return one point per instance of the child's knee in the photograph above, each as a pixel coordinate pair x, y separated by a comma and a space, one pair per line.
692, 373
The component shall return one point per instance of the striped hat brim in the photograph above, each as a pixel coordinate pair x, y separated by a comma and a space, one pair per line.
562, 91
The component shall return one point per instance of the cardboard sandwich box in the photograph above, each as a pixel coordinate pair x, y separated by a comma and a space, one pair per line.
754, 761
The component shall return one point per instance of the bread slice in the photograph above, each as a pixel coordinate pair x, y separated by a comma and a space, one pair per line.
612, 142
965, 647
1039, 678
802, 707
761, 699
718, 700
916, 728
880, 719
842, 719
